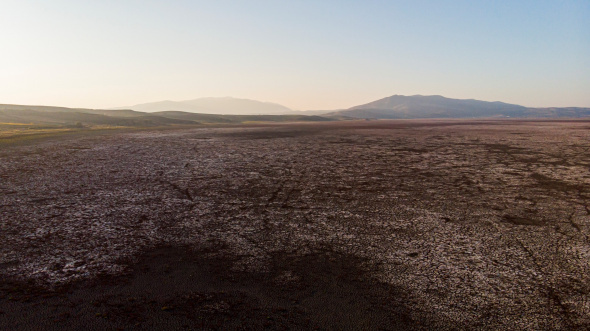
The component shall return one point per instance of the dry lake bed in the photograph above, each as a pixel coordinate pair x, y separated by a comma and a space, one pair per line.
422, 224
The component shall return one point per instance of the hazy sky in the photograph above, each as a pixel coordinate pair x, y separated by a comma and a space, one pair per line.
316, 54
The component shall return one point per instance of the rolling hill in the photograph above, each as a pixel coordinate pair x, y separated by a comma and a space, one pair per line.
213, 118
62, 116
69, 116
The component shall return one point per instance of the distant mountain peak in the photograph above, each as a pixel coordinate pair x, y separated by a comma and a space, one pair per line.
215, 105
438, 106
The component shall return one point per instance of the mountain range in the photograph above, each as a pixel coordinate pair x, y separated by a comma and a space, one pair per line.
215, 110
393, 107
436, 106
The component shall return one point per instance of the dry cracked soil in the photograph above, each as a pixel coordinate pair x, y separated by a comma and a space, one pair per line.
426, 224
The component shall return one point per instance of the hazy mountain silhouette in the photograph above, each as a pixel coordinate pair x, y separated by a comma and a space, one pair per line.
436, 106
226, 105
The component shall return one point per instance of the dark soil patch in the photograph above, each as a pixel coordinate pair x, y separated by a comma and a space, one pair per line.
518, 220
555, 184
271, 133
174, 288
502, 148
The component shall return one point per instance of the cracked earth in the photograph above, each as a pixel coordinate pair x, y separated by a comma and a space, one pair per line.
471, 224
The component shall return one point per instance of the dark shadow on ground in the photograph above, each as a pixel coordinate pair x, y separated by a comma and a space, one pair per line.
175, 288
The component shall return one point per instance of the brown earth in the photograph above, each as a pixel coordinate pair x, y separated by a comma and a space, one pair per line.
351, 225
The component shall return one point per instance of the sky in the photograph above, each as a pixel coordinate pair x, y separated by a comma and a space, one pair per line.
304, 54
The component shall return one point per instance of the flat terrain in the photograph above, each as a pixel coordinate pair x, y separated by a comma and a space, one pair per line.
415, 224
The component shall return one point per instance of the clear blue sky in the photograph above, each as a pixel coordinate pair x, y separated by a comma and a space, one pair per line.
304, 54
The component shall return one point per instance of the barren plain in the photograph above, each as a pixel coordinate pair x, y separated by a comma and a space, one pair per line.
408, 224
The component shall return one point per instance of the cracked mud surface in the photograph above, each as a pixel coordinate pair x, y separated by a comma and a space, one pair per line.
388, 224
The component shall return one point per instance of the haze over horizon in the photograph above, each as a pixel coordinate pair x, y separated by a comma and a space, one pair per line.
303, 55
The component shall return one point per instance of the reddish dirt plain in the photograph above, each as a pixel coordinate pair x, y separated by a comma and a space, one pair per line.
448, 224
